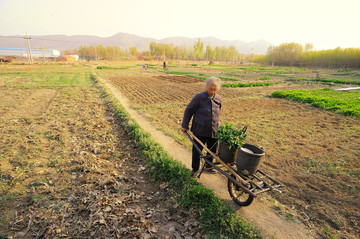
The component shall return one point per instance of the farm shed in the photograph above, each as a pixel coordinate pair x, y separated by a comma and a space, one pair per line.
22, 52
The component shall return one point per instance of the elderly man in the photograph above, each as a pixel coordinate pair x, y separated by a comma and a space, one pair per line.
205, 107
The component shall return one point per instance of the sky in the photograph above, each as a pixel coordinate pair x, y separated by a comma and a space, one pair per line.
325, 23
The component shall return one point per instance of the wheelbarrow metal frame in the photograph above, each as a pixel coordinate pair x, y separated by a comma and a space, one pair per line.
243, 182
240, 180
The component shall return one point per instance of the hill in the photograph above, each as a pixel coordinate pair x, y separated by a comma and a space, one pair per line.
125, 40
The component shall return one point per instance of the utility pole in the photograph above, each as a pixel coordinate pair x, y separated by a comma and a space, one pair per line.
27, 51
42, 49
29, 47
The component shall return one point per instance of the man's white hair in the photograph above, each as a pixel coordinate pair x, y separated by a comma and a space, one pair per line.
212, 79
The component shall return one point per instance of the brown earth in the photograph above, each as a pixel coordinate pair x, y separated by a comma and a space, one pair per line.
315, 153
69, 170
271, 223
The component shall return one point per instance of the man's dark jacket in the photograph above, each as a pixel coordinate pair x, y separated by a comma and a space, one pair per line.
206, 112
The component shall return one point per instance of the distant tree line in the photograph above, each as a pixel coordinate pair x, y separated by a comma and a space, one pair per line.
286, 54
158, 50
100, 52
294, 54
197, 52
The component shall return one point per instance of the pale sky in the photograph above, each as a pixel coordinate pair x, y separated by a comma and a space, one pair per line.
325, 23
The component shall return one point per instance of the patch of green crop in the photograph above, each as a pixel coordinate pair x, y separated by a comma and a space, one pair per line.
342, 102
345, 70
202, 76
276, 74
250, 84
228, 78
186, 73
264, 78
332, 81
342, 74
112, 67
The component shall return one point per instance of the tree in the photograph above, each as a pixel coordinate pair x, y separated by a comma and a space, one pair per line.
295, 54
153, 46
198, 50
209, 53
232, 53
308, 47
133, 51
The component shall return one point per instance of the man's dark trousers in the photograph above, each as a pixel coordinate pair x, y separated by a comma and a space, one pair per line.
211, 143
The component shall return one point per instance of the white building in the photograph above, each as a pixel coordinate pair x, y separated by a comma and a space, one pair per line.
23, 53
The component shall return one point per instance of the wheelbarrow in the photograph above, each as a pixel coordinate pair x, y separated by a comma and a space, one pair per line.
245, 181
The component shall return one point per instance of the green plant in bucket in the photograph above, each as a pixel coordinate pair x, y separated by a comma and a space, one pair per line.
228, 134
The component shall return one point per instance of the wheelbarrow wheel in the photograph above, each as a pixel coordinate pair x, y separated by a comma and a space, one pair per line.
239, 196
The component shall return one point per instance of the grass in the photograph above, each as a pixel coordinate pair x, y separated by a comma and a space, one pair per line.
251, 84
112, 67
351, 82
186, 73
342, 102
217, 218
331, 168
202, 76
47, 77
327, 233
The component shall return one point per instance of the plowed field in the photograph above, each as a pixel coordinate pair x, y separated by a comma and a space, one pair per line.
313, 152
68, 169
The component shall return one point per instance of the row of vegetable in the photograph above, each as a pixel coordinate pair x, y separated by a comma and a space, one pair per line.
342, 102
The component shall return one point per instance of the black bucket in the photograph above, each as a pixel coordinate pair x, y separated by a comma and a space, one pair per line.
225, 154
248, 158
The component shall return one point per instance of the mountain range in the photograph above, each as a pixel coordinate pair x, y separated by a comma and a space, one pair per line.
125, 40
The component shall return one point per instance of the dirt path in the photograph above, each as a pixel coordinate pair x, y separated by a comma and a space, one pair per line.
259, 213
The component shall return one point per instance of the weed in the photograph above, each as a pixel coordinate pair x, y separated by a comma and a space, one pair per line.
56, 208
8, 197
35, 198
355, 173
328, 234
277, 208
289, 217
37, 183
4, 236
52, 163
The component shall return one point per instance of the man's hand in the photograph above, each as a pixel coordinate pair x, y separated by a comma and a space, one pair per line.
183, 129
